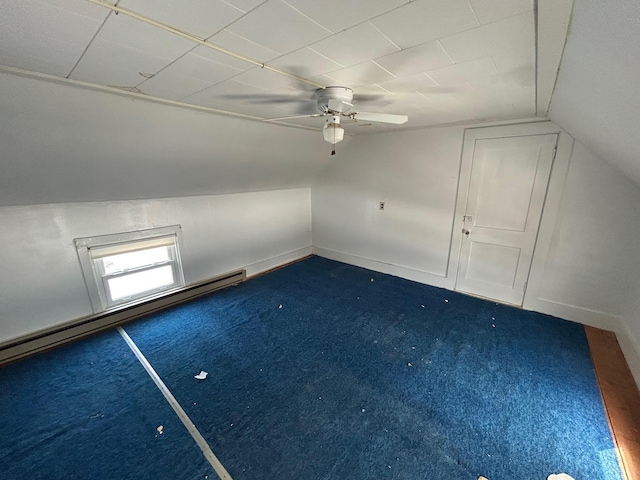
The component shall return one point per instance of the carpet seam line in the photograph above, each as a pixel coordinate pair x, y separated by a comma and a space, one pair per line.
177, 408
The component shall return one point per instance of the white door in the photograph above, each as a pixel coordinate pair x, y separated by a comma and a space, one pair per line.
508, 185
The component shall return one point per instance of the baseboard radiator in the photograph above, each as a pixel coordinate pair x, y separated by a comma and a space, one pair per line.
81, 327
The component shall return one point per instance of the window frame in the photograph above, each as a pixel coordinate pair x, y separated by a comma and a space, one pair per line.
96, 279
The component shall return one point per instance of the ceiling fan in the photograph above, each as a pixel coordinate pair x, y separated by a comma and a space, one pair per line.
335, 102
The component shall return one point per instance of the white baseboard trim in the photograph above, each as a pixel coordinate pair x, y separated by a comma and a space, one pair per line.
631, 350
278, 260
585, 316
382, 267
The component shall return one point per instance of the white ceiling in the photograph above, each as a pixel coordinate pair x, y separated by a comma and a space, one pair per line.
62, 144
597, 97
439, 61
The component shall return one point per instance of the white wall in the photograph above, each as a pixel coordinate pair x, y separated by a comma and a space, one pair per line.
592, 255
596, 100
584, 273
416, 175
42, 283
630, 338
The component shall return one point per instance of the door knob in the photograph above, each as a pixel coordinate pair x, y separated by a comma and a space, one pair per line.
466, 232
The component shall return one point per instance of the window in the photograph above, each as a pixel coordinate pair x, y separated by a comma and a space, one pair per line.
129, 267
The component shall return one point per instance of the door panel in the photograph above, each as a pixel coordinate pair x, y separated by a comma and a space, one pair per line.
493, 263
515, 171
506, 194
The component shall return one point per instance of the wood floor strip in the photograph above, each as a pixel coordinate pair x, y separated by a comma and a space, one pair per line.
620, 396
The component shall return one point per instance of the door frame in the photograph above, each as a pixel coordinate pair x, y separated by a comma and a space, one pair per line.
555, 187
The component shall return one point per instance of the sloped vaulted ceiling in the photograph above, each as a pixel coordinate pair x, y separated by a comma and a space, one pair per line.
438, 61
75, 77
60, 143
597, 95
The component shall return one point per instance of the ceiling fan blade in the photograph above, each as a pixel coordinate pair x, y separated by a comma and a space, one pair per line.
381, 117
294, 116
264, 99
302, 73
336, 105
367, 97
302, 108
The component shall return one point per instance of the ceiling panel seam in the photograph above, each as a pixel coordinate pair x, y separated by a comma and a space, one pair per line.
373, 18
207, 40
323, 56
474, 11
453, 62
90, 42
237, 19
202, 41
569, 21
373, 61
307, 17
235, 7
385, 36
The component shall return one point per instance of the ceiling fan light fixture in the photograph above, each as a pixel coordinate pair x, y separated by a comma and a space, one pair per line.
332, 131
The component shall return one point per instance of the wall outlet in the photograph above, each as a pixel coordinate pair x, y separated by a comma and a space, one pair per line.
381, 205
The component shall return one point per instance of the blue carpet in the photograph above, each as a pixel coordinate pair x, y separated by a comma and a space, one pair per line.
326, 371
89, 410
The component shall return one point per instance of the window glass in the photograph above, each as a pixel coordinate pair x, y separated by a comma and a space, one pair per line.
124, 268
135, 259
132, 284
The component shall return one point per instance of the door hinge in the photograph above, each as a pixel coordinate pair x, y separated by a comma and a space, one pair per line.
525, 287
555, 150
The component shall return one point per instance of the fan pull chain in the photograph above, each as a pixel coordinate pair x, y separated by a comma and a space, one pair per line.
333, 149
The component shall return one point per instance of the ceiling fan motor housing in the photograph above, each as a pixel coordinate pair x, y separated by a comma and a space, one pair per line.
341, 96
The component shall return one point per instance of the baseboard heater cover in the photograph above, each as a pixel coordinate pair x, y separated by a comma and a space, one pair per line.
54, 336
